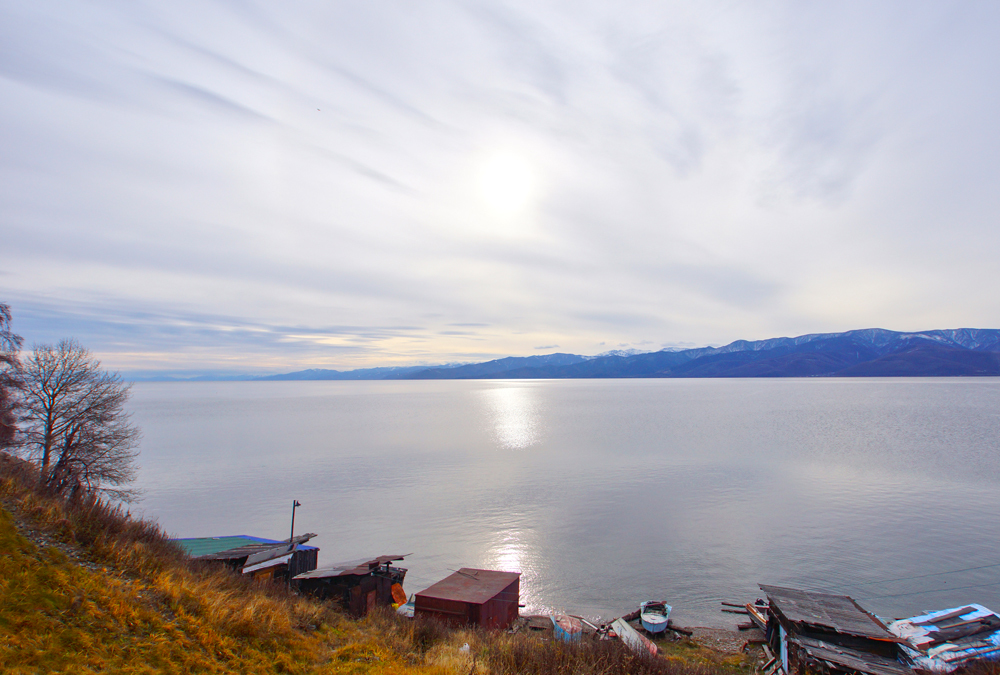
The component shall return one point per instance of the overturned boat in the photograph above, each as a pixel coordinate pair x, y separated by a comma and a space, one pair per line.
633, 639
567, 628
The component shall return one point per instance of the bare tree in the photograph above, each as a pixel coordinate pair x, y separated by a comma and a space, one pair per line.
10, 345
76, 427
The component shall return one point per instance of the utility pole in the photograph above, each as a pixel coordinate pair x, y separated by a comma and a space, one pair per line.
295, 503
291, 545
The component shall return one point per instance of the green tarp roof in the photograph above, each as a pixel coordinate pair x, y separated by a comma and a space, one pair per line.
204, 545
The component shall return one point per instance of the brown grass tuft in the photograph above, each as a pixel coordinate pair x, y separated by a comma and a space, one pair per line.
524, 654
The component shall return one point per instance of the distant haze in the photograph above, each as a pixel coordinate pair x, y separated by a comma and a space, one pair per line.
194, 187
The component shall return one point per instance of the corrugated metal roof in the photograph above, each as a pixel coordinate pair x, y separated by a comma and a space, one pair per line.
359, 567
838, 613
472, 585
199, 546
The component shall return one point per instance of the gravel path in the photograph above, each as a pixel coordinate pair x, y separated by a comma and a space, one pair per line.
726, 641
45, 540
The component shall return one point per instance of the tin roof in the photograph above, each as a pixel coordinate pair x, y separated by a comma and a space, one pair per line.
837, 613
199, 546
472, 586
359, 567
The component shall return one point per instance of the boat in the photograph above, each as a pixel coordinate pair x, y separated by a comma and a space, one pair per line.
757, 614
654, 615
635, 641
567, 628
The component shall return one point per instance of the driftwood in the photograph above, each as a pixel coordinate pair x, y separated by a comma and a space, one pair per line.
735, 611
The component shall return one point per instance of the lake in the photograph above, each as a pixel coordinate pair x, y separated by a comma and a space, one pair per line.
603, 493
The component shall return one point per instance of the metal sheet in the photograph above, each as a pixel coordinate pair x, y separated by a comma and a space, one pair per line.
838, 613
268, 554
941, 641
273, 562
359, 567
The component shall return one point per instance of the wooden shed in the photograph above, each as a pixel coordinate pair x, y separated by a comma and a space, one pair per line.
260, 557
832, 634
359, 585
485, 598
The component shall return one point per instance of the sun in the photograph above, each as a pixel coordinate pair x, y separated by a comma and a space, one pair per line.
506, 182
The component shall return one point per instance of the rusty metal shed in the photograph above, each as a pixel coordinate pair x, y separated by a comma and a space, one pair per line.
358, 585
485, 598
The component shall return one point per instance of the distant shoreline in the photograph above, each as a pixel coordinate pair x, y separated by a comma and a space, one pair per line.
873, 352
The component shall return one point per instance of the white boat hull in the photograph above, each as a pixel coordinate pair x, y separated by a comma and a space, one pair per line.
631, 637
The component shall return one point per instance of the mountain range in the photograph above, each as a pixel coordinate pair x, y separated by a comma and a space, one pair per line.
872, 352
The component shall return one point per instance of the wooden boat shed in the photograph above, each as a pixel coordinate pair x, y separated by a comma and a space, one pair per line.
263, 558
485, 598
358, 585
831, 634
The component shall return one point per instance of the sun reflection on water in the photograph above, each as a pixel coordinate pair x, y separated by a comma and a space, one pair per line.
510, 552
514, 415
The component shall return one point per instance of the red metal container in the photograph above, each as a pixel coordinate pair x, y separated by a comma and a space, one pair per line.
484, 598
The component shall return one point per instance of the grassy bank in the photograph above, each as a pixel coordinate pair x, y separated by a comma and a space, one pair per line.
86, 588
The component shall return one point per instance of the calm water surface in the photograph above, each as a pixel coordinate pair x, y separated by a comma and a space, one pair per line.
603, 492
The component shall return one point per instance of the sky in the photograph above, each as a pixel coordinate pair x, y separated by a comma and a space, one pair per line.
232, 187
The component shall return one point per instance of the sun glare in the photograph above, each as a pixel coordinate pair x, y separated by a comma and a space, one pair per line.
506, 182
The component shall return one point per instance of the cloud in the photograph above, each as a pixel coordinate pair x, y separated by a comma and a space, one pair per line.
210, 98
703, 172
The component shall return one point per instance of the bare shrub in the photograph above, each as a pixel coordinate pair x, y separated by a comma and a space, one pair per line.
10, 382
76, 427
